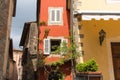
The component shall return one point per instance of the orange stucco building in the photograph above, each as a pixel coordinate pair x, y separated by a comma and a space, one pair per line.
54, 29
59, 28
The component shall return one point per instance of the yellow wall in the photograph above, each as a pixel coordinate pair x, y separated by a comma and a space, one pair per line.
99, 5
92, 48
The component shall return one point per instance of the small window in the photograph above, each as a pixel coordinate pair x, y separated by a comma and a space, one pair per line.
55, 43
55, 16
51, 45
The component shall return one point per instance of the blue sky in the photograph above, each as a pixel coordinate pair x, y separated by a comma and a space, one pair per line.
25, 12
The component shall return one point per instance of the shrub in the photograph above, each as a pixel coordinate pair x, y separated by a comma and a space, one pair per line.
89, 66
81, 67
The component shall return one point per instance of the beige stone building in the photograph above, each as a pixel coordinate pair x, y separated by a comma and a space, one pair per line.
97, 5
11, 72
7, 11
17, 56
29, 41
93, 17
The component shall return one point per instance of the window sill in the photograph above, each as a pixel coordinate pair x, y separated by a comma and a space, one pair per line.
55, 23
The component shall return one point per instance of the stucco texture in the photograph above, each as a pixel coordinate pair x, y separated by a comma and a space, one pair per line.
99, 5
92, 47
55, 30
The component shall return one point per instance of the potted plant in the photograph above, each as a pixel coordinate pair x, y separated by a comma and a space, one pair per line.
46, 32
89, 66
88, 70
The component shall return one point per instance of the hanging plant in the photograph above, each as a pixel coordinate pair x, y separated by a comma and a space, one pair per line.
46, 32
42, 23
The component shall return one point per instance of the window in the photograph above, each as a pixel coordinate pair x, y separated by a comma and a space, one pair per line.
55, 43
50, 45
55, 16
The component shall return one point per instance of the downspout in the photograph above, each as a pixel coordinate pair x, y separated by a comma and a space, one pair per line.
71, 17
38, 52
71, 33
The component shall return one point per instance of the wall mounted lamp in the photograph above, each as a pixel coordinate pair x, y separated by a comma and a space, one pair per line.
102, 35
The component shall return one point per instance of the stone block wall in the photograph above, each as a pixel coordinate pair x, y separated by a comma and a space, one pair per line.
6, 12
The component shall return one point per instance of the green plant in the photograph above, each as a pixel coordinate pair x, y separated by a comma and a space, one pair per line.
40, 61
81, 67
56, 75
68, 50
89, 66
46, 32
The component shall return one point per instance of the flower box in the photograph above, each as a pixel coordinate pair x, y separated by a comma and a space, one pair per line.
89, 76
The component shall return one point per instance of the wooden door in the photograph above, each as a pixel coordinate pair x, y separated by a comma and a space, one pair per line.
116, 59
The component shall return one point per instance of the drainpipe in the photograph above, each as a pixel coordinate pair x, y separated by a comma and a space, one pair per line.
71, 33
71, 16
37, 74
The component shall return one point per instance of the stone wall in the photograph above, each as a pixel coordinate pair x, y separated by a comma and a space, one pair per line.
30, 48
6, 10
33, 43
17, 57
12, 70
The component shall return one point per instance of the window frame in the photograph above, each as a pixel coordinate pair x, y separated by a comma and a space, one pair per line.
55, 22
49, 44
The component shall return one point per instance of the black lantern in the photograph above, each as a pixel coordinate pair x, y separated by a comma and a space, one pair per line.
102, 35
